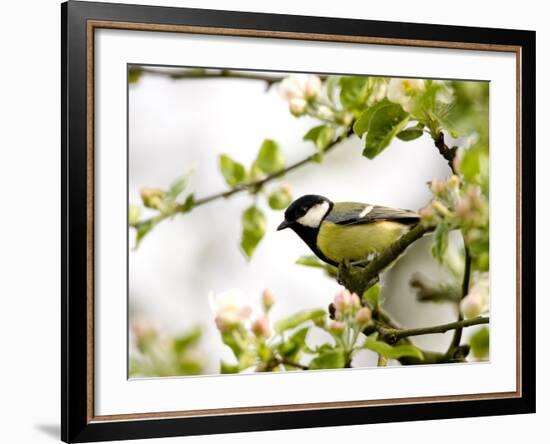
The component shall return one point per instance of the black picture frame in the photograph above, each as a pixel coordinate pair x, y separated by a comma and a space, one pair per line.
77, 425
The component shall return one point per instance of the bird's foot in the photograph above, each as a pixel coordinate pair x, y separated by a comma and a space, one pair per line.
364, 262
343, 271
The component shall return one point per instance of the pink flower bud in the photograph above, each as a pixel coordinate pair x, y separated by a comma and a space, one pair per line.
152, 197
260, 327
437, 187
268, 299
471, 306
355, 301
427, 214
462, 207
342, 301
143, 328
363, 316
476, 301
223, 325
336, 327
145, 333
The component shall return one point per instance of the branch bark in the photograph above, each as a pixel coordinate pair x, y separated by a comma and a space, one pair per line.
392, 336
357, 279
255, 185
465, 289
191, 74
448, 154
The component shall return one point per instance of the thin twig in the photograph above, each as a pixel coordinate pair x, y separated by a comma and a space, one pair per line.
465, 289
393, 335
448, 154
293, 364
191, 74
254, 185
358, 279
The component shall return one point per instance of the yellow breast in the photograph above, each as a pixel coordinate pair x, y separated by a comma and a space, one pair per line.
356, 242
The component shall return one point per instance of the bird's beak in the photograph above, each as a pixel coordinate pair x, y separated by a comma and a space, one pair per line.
284, 224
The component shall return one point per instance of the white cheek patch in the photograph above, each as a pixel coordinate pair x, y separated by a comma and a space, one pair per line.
314, 216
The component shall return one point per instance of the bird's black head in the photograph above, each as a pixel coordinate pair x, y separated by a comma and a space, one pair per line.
307, 211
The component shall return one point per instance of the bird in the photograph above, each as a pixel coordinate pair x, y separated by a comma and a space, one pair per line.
339, 232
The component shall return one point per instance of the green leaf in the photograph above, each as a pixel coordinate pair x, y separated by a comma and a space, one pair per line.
254, 227
226, 368
229, 340
409, 134
177, 186
314, 262
479, 343
279, 199
232, 171
395, 352
372, 296
321, 136
385, 123
298, 318
354, 91
142, 230
329, 359
440, 241
361, 125
188, 204
187, 340
310, 261
264, 352
270, 158
291, 348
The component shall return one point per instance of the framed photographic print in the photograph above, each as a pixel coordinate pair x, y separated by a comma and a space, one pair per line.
275, 221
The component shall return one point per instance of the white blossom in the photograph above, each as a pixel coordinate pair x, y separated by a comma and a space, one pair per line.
290, 89
297, 91
403, 91
312, 86
378, 93
297, 106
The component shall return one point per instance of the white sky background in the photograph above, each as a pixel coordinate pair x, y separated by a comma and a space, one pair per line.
175, 125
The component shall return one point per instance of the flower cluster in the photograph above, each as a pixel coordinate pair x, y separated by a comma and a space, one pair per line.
350, 319
246, 335
298, 92
463, 206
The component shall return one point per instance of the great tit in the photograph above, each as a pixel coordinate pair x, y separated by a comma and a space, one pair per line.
351, 231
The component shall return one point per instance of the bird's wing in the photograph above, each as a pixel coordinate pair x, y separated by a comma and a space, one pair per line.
351, 213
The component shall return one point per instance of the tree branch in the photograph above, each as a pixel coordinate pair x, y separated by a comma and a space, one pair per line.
195, 74
465, 289
358, 279
448, 154
431, 291
292, 364
254, 186
391, 336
